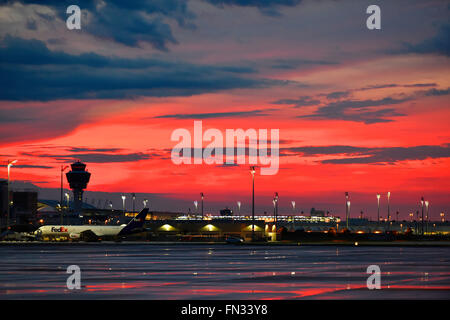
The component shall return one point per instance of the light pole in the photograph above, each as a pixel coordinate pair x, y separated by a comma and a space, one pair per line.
196, 208
276, 214
422, 202
442, 216
426, 204
145, 201
123, 203
346, 208
378, 200
10, 164
62, 171
274, 202
133, 195
202, 195
239, 207
293, 207
389, 212
67, 205
348, 213
252, 171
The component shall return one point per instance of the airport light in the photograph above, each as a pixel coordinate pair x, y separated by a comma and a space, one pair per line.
348, 212
202, 195
252, 171
389, 212
10, 164
378, 200
293, 206
346, 208
133, 195
411, 216
427, 217
63, 168
442, 216
421, 202
196, 206
276, 214
123, 203
239, 207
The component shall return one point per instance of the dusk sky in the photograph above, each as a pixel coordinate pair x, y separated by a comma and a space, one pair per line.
358, 110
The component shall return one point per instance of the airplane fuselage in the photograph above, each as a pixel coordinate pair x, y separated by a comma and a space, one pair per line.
74, 231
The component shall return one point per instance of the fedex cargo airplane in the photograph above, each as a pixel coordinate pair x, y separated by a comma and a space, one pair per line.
93, 232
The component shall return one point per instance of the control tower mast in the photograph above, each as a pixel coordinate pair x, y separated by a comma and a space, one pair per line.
78, 179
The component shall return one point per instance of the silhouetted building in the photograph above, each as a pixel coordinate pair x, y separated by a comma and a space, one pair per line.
24, 206
78, 179
3, 200
317, 213
226, 212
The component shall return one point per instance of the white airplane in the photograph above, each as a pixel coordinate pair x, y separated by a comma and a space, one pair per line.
92, 232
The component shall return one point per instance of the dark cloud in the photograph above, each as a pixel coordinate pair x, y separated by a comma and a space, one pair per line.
95, 157
255, 3
438, 44
38, 122
363, 155
358, 110
395, 85
347, 93
266, 7
437, 92
338, 95
31, 24
81, 149
28, 166
300, 102
323, 150
234, 114
127, 22
30, 71
297, 63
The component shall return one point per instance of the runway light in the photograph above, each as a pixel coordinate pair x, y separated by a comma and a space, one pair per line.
356, 243
210, 227
167, 227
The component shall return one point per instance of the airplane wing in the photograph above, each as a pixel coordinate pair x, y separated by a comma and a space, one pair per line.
88, 236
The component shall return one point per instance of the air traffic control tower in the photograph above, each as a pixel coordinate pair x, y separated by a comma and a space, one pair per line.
78, 179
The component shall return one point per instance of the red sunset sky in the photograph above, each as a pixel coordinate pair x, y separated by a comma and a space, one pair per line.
363, 111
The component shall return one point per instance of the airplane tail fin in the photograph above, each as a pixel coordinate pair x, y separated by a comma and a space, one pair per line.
136, 222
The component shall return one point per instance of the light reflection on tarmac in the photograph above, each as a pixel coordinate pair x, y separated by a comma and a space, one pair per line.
185, 271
